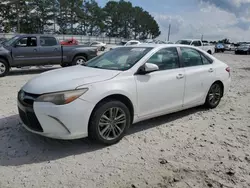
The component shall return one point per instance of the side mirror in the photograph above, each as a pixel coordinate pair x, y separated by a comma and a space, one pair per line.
148, 68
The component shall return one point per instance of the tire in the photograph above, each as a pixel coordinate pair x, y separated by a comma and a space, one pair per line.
77, 60
214, 95
4, 67
104, 108
209, 52
102, 48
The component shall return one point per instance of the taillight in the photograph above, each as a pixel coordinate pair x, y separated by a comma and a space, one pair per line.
228, 70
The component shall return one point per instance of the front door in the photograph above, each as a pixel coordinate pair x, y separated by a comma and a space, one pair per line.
162, 91
199, 76
25, 52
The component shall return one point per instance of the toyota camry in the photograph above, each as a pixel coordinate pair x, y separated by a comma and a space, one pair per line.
103, 97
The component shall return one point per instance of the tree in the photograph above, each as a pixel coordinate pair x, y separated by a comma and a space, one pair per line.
124, 20
116, 19
112, 19
224, 41
94, 18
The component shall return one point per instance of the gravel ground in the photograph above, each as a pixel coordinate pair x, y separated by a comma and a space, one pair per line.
194, 148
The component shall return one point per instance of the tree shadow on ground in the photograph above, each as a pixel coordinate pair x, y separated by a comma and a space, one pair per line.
19, 147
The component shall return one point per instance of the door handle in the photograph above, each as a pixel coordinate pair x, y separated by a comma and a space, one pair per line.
211, 70
180, 76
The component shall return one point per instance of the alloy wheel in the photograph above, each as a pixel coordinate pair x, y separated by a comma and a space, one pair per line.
2, 68
214, 94
80, 62
112, 123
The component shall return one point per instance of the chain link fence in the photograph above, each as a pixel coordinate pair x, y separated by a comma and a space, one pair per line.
80, 38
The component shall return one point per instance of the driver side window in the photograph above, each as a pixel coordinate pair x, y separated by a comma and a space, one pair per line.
165, 59
27, 42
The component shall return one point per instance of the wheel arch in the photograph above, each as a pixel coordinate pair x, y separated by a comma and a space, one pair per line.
4, 58
222, 85
80, 54
119, 97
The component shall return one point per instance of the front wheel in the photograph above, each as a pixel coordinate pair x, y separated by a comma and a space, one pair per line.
102, 48
4, 68
109, 122
214, 95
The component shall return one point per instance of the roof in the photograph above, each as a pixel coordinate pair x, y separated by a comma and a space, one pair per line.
160, 45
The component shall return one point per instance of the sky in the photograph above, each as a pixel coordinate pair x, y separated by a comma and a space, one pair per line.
214, 19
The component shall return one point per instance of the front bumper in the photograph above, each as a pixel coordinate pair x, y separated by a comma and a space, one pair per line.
66, 122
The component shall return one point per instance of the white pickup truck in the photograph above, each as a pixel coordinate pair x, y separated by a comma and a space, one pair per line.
198, 43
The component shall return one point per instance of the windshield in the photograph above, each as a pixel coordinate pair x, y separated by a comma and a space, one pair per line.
119, 58
10, 41
187, 42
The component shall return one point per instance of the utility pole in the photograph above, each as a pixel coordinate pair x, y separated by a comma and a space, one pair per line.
169, 29
202, 37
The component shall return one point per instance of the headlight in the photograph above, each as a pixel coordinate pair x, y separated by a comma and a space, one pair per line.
63, 97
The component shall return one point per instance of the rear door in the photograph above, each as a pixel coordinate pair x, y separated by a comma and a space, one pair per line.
199, 75
50, 51
25, 51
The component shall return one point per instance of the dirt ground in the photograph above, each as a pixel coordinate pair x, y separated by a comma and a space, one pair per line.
196, 148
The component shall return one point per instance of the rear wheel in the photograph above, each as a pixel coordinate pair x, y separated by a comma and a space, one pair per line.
79, 60
102, 48
109, 122
214, 95
209, 52
4, 68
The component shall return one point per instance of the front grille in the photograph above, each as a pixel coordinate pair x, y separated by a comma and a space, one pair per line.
27, 99
27, 114
23, 117
30, 120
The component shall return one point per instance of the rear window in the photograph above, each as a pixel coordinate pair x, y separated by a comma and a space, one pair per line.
48, 41
185, 42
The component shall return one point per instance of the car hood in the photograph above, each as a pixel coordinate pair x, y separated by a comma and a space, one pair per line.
2, 48
67, 79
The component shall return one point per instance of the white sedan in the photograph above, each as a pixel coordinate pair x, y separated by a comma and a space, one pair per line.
100, 46
121, 87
